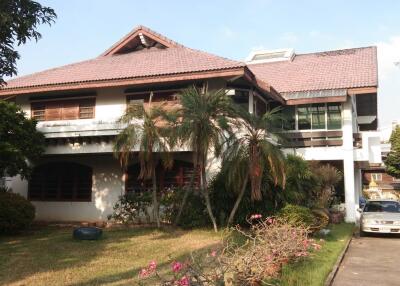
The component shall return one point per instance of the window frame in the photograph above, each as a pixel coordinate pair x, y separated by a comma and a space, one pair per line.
82, 102
296, 118
60, 177
377, 177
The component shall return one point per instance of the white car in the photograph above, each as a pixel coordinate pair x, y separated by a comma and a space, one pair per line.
380, 216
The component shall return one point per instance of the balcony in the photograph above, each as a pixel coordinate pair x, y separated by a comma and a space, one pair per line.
79, 128
313, 139
367, 147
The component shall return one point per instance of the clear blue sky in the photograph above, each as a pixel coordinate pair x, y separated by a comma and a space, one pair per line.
232, 29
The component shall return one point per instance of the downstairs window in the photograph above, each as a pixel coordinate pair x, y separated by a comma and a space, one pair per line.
61, 181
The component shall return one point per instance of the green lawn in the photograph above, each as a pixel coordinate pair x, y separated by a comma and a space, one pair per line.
50, 256
313, 271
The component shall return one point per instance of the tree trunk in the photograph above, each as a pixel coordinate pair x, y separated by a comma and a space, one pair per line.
238, 200
156, 215
183, 203
188, 190
207, 197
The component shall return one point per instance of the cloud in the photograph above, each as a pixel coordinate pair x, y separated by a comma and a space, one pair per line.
227, 32
389, 57
289, 37
389, 80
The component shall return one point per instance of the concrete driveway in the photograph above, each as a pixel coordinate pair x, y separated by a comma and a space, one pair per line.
371, 261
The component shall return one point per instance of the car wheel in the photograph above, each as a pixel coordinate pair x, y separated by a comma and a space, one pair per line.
363, 233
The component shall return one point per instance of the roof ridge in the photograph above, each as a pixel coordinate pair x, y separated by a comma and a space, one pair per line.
134, 31
337, 50
314, 53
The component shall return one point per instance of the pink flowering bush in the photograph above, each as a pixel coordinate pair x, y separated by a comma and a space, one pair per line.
270, 244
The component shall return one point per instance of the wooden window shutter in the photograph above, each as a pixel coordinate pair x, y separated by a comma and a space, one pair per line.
53, 111
86, 108
70, 110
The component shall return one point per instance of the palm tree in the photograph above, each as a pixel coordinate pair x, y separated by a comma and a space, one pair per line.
251, 151
202, 124
144, 131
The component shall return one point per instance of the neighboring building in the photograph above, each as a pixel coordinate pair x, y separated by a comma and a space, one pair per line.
331, 98
383, 184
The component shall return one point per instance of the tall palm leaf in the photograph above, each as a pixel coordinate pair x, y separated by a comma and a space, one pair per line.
251, 151
201, 125
144, 136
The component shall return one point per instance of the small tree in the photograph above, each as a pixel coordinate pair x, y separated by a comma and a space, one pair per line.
20, 142
202, 122
251, 151
18, 23
392, 161
144, 131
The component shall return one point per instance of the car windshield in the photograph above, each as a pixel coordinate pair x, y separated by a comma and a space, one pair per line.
382, 206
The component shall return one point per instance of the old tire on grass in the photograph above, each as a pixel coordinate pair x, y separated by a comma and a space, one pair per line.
87, 233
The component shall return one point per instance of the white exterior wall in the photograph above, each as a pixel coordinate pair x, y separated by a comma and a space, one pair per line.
108, 185
107, 176
370, 152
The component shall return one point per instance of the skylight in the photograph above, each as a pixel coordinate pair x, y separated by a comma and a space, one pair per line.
270, 56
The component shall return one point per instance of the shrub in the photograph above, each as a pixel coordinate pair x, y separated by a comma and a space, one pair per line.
16, 213
321, 219
297, 215
223, 200
132, 208
194, 212
270, 244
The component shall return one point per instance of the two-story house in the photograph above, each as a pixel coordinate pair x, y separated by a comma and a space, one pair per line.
331, 98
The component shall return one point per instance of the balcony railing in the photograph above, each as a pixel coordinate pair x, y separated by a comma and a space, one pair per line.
313, 139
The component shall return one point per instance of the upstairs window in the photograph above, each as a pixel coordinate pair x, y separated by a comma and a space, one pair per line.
304, 117
63, 109
318, 116
156, 96
289, 116
321, 116
334, 116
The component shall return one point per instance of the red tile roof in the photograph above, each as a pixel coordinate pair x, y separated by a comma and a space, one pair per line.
144, 63
327, 70
348, 68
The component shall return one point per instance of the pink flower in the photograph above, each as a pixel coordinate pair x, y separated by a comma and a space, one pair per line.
213, 253
152, 265
184, 281
144, 273
255, 216
177, 266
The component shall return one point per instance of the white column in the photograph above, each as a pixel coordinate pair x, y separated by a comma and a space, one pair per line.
348, 162
251, 101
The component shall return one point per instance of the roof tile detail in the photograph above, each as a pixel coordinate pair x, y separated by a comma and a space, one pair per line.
348, 68
145, 63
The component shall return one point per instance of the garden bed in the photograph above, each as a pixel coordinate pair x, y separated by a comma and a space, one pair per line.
313, 271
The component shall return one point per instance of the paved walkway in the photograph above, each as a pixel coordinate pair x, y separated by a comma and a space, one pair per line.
371, 261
